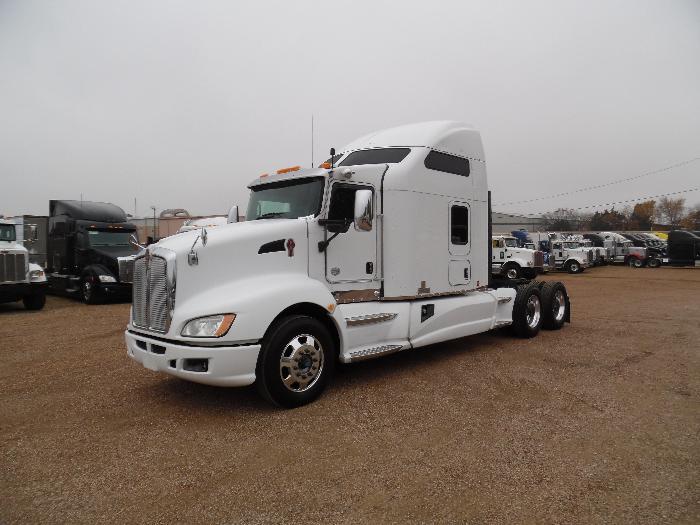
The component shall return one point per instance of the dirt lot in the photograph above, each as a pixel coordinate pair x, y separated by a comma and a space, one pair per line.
599, 422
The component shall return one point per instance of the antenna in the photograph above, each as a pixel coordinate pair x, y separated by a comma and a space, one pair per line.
312, 140
332, 157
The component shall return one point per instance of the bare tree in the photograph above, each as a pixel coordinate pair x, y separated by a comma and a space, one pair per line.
671, 210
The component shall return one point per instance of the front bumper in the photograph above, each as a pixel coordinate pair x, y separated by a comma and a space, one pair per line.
225, 365
16, 291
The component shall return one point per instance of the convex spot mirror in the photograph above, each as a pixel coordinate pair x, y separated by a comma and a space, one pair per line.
363, 210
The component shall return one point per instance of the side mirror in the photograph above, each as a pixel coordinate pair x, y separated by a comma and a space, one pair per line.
363, 210
31, 234
203, 235
232, 215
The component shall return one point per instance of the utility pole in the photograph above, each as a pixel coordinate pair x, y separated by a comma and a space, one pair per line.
155, 234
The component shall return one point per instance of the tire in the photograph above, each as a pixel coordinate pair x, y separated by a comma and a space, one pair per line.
555, 305
636, 263
35, 301
295, 340
89, 290
512, 271
654, 262
529, 273
527, 311
574, 267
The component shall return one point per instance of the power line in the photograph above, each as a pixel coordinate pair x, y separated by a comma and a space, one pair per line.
689, 190
588, 188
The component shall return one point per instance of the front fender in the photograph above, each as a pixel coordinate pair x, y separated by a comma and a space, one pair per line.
255, 301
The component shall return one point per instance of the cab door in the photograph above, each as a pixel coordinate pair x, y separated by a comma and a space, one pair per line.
351, 257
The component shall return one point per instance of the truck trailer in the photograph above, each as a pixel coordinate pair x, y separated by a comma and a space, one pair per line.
90, 250
384, 248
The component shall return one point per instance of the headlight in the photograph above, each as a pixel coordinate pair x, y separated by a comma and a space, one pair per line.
210, 326
36, 274
107, 279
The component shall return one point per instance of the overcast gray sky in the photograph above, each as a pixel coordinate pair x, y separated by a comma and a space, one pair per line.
181, 104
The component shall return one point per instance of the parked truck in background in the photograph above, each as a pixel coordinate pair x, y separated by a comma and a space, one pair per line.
684, 248
90, 252
386, 251
571, 256
20, 279
623, 250
509, 260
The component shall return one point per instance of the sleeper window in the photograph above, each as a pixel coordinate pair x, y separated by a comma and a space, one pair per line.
459, 225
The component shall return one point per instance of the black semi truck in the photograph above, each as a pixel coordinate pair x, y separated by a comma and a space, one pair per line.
684, 248
90, 252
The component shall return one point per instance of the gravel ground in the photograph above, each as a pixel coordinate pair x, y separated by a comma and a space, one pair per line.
599, 422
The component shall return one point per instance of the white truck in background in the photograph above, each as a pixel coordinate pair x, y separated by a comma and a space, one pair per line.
570, 256
387, 251
20, 280
509, 260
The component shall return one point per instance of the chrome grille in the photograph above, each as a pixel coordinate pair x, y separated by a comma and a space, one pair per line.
140, 293
539, 259
13, 267
151, 307
158, 295
126, 269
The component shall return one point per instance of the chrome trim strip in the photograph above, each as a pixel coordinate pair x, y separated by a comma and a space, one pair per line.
359, 320
356, 296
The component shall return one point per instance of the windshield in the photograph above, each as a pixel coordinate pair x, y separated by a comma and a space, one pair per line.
571, 245
106, 238
7, 232
512, 243
286, 200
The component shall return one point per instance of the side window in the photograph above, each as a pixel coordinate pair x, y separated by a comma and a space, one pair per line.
459, 225
447, 163
494, 243
342, 205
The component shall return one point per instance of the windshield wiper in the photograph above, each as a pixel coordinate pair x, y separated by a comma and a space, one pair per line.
270, 215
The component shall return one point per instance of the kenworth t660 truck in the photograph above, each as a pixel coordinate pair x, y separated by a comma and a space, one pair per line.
383, 249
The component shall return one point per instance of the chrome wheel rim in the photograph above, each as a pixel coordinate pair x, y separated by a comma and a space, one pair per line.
87, 290
301, 363
558, 305
574, 267
512, 273
533, 310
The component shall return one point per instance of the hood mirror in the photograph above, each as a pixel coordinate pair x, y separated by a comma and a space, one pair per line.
232, 215
135, 242
203, 236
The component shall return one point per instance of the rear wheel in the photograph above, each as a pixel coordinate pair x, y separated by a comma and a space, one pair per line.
35, 301
296, 361
634, 262
555, 305
527, 311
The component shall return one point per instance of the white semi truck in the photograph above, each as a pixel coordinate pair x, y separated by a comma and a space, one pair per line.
20, 280
509, 260
386, 251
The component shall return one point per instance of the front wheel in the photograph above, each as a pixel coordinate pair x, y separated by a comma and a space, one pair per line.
512, 271
635, 262
296, 361
574, 267
35, 301
89, 290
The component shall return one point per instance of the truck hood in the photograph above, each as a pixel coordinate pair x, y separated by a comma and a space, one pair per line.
12, 247
237, 261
